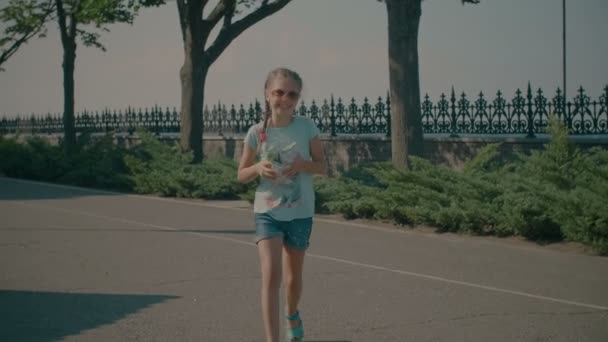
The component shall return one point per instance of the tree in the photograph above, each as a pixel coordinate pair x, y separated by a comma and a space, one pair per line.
26, 18
30, 16
198, 58
72, 15
406, 119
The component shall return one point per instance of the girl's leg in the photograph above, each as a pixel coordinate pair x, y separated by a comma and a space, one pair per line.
270, 262
293, 265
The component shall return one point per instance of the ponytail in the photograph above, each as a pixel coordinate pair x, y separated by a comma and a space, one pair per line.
267, 115
262, 133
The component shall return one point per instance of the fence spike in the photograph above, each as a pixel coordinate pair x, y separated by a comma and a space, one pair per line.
341, 117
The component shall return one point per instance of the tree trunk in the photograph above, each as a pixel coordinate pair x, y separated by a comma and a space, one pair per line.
406, 119
192, 74
198, 59
69, 59
68, 42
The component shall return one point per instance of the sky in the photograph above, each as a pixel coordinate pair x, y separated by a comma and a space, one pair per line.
338, 47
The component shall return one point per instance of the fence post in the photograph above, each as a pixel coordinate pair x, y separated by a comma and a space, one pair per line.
530, 114
332, 116
104, 119
259, 113
155, 117
453, 115
389, 115
562, 107
568, 113
216, 114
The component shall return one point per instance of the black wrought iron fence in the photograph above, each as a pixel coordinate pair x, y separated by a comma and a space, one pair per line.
525, 114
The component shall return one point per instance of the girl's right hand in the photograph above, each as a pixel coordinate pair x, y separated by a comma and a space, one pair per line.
264, 168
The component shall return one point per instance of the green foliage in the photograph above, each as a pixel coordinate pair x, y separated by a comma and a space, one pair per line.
161, 169
101, 13
23, 19
486, 160
560, 162
550, 195
95, 164
559, 193
151, 167
34, 159
529, 214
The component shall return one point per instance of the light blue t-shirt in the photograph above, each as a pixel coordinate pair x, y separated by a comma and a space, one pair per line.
285, 198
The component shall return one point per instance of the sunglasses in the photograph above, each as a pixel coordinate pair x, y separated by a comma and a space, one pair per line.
292, 95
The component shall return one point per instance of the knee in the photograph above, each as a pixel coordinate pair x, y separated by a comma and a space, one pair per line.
292, 280
272, 279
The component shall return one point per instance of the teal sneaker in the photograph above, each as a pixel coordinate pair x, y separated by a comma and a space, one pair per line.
295, 334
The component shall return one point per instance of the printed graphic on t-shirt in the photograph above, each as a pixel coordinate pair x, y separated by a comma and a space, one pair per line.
283, 191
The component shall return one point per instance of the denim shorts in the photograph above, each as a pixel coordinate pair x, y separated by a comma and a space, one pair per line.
295, 233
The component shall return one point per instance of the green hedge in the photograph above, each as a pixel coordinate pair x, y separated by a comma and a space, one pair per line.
149, 168
559, 193
161, 169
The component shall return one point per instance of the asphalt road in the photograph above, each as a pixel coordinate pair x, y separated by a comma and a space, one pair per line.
85, 265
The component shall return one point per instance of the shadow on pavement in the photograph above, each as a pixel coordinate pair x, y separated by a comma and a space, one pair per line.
14, 189
50, 316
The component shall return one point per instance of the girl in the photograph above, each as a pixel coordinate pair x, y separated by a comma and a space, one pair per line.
285, 151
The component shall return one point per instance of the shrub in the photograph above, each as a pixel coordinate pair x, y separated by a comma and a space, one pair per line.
35, 159
158, 168
487, 160
98, 163
549, 195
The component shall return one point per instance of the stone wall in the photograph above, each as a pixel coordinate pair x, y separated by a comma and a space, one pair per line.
345, 151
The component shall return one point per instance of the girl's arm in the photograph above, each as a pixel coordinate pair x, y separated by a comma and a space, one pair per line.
249, 169
316, 166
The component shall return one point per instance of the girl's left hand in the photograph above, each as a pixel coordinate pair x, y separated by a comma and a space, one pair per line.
295, 167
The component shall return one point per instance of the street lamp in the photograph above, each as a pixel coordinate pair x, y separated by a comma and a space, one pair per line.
564, 54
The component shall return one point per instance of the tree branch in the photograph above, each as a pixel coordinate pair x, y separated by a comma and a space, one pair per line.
229, 13
62, 24
182, 11
27, 30
74, 18
224, 8
230, 32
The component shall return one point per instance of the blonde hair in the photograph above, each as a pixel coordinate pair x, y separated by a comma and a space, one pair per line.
278, 72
